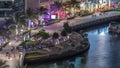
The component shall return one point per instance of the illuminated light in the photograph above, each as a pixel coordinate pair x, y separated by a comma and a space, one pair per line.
53, 16
102, 33
31, 24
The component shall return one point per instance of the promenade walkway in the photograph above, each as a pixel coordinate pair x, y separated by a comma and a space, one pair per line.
78, 20
15, 60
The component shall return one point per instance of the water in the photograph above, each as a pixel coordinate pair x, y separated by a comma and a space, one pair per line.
103, 52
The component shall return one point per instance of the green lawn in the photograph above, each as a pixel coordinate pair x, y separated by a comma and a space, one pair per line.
33, 54
29, 42
117, 9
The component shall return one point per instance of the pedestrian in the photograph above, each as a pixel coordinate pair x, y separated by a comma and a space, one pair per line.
13, 50
7, 53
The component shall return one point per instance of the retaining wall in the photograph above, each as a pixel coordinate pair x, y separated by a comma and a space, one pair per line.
96, 22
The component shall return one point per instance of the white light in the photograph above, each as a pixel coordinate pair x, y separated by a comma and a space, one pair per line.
102, 33
53, 16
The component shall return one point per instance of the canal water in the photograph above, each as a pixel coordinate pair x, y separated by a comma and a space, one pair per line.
103, 53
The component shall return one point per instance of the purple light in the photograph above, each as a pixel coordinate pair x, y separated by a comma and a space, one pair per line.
31, 24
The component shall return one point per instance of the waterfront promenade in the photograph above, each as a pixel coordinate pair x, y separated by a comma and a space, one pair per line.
77, 20
51, 28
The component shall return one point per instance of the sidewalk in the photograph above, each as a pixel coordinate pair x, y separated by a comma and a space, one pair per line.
78, 20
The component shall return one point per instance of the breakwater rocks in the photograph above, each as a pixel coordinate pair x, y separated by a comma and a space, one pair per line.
95, 22
77, 45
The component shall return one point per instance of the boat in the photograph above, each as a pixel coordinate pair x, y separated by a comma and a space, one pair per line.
114, 27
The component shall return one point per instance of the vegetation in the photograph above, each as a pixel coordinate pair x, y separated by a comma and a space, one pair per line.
67, 28
29, 42
19, 66
42, 34
63, 33
3, 64
4, 45
42, 66
33, 54
117, 9
10, 20
55, 35
84, 13
29, 12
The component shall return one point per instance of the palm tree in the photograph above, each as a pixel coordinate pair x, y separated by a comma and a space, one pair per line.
55, 37
17, 17
29, 13
3, 64
10, 20
19, 20
74, 5
22, 20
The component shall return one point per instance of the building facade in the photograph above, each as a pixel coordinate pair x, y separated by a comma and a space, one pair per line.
6, 7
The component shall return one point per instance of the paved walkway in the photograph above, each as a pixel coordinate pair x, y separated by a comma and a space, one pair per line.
78, 20
13, 61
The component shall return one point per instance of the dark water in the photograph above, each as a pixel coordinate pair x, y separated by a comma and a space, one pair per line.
103, 53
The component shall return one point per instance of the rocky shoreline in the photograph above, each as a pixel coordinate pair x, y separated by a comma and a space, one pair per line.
78, 49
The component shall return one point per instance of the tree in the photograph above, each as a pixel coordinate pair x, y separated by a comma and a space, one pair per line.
44, 35
17, 16
10, 20
67, 28
19, 19
73, 4
22, 20
42, 9
29, 12
3, 64
63, 33
55, 37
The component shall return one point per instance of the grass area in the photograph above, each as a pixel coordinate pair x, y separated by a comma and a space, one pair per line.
30, 54
29, 42
82, 15
52, 22
4, 45
117, 9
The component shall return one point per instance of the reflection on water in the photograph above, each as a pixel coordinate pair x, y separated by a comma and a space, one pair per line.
103, 52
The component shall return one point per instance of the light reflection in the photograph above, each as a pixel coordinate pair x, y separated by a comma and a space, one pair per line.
102, 33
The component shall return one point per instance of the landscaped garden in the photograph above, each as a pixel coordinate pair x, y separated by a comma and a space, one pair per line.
33, 54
